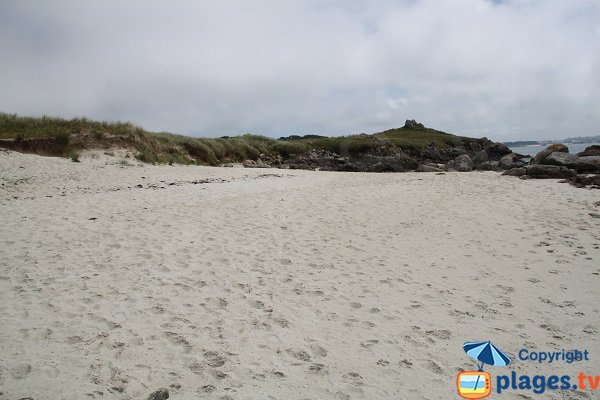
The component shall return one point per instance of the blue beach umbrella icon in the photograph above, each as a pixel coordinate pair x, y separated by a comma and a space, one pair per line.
486, 353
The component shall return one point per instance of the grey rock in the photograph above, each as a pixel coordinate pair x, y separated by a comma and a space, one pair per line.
160, 394
231, 165
480, 157
488, 166
515, 172
561, 159
549, 171
589, 164
399, 162
593, 150
510, 161
255, 164
428, 168
586, 180
461, 163
411, 123
379, 167
432, 152
494, 150
557, 147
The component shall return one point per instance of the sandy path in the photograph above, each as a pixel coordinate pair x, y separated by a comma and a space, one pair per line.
275, 284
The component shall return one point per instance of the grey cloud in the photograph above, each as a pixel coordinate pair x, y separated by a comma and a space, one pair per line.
504, 69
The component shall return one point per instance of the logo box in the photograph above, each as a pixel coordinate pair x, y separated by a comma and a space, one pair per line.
474, 384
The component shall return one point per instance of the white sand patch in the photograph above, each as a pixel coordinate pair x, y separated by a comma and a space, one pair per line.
117, 280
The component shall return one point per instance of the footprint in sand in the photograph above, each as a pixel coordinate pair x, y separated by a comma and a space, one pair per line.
353, 377
434, 367
20, 371
214, 359
355, 305
439, 333
317, 368
178, 340
218, 374
299, 355
318, 350
256, 304
195, 367
367, 344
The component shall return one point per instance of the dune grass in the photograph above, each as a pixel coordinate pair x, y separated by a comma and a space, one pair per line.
14, 126
67, 136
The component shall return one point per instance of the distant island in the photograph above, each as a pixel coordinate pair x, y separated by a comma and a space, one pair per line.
569, 140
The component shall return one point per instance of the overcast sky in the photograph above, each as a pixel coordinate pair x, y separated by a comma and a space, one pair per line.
502, 69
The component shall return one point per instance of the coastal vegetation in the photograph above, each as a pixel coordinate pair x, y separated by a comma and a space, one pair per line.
64, 137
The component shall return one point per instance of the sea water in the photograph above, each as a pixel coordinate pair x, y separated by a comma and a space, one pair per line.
532, 150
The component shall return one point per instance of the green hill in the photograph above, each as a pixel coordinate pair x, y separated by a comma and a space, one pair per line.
61, 137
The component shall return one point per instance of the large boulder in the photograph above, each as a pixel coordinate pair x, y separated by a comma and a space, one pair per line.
549, 172
561, 159
593, 150
510, 161
589, 164
557, 147
480, 157
515, 172
461, 163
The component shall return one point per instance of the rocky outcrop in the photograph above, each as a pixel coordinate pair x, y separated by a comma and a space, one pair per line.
542, 172
412, 124
557, 147
583, 180
585, 164
432, 153
495, 150
462, 163
549, 171
555, 162
593, 150
328, 161
317, 159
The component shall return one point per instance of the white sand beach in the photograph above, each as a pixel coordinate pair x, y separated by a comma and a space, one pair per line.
117, 280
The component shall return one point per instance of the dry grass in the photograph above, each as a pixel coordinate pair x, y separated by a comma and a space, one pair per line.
62, 137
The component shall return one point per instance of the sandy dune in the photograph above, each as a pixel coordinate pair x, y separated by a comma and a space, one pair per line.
232, 283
